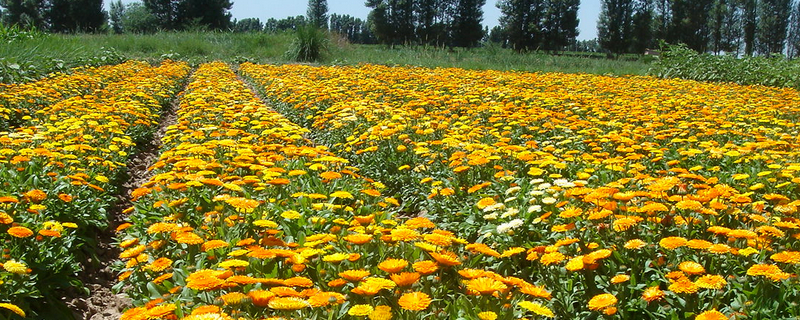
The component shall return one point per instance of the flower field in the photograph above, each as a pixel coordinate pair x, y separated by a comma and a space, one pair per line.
59, 168
375, 192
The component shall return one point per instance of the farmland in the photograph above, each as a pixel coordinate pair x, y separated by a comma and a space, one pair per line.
389, 192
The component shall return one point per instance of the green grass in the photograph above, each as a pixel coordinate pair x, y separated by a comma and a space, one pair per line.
197, 47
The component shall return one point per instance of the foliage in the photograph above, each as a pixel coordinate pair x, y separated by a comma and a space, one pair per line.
24, 13
248, 25
354, 29
69, 16
682, 62
137, 19
773, 17
317, 13
539, 24
30, 67
183, 14
614, 28
309, 45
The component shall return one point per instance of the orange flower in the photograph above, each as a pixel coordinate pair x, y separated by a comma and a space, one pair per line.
602, 301
711, 315
20, 232
711, 282
405, 279
485, 285
691, 267
683, 285
414, 301
652, 294
260, 298
425, 267
288, 303
393, 265
354, 275
445, 258
160, 264
672, 243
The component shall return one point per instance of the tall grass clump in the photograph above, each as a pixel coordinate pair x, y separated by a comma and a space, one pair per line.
309, 44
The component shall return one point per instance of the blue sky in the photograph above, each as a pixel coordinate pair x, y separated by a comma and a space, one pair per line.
265, 9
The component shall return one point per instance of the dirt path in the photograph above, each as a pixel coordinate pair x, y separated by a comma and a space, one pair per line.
102, 303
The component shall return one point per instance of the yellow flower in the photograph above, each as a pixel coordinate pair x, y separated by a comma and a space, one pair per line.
487, 315
13, 309
381, 313
290, 215
537, 308
360, 310
15, 267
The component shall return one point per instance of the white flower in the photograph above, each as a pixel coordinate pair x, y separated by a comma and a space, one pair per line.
510, 199
536, 193
510, 212
549, 200
494, 207
508, 226
564, 183
491, 216
513, 190
544, 186
535, 208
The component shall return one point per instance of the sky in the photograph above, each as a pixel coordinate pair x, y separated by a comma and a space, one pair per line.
265, 9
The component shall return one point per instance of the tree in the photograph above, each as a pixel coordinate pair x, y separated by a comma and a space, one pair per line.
248, 25
793, 36
749, 21
773, 21
392, 21
725, 25
117, 10
614, 25
211, 14
165, 12
136, 18
559, 24
466, 27
24, 13
318, 13
75, 15
521, 22
642, 26
690, 23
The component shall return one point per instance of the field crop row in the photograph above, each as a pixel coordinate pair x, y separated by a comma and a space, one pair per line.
60, 173
19, 102
631, 197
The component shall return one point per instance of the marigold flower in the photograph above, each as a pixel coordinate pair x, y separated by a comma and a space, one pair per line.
487, 315
20, 232
360, 310
287, 303
602, 301
692, 268
620, 278
393, 265
405, 279
414, 301
381, 313
711, 315
634, 244
672, 243
652, 294
425, 267
537, 308
13, 308
445, 258
683, 285
485, 285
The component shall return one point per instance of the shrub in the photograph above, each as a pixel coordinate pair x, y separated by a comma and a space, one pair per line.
309, 44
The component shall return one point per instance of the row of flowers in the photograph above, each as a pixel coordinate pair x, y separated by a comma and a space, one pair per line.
246, 218
61, 172
18, 102
687, 192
